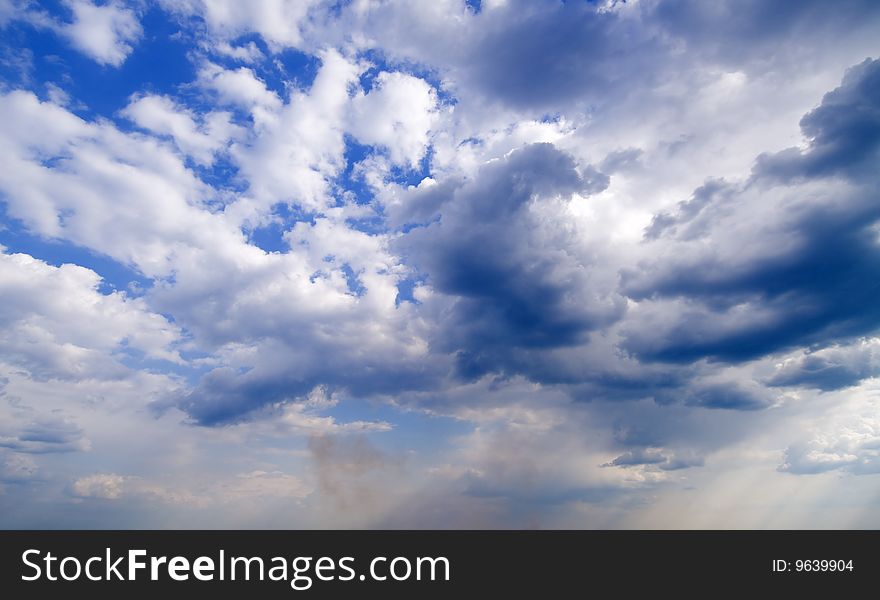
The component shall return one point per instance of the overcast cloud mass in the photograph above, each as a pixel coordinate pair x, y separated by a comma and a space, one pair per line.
381, 263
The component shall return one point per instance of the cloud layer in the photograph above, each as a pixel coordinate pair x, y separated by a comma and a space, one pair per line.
493, 264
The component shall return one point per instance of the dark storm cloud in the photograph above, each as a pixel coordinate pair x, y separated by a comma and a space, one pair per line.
503, 252
805, 274
844, 132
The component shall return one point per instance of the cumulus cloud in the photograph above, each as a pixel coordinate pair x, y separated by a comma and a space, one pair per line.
844, 441
56, 324
505, 252
243, 487
200, 140
105, 32
120, 194
279, 22
397, 114
654, 458
239, 87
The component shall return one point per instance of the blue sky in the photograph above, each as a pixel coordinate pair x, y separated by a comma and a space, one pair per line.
377, 263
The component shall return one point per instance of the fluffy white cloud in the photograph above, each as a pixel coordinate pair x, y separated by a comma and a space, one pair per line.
296, 148
105, 32
246, 53
239, 87
56, 324
397, 114
201, 138
279, 22
123, 195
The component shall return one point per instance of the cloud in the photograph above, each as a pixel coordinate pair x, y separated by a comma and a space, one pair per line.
56, 324
396, 114
244, 487
280, 23
123, 195
843, 132
44, 434
201, 140
557, 254
105, 32
246, 53
240, 87
505, 255
107, 486
745, 269
829, 368
297, 147
17, 468
844, 442
653, 458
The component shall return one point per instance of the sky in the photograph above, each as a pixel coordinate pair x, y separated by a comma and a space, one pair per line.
393, 264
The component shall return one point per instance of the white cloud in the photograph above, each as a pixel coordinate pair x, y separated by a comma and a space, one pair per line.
397, 114
246, 53
55, 322
201, 140
296, 148
842, 437
279, 22
107, 486
124, 195
105, 32
240, 87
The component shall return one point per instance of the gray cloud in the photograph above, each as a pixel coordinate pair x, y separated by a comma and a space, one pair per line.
47, 434
747, 269
514, 269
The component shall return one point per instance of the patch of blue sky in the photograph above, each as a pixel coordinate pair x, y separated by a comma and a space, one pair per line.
158, 64
270, 237
405, 289
350, 183
355, 286
405, 175
290, 68
221, 174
